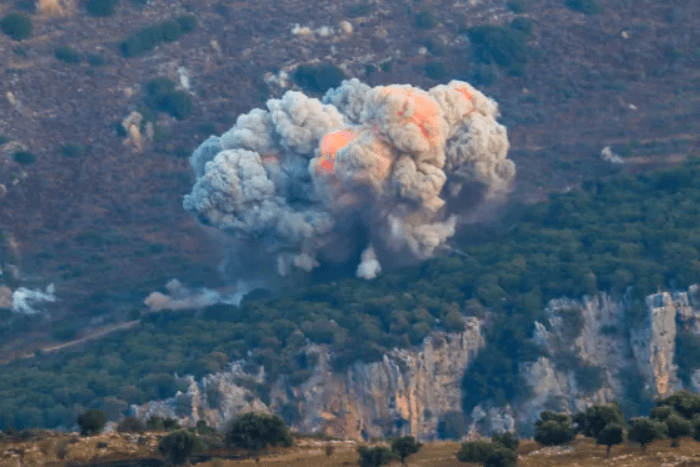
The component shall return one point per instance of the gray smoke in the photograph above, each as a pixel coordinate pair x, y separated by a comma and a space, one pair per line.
296, 180
24, 301
180, 297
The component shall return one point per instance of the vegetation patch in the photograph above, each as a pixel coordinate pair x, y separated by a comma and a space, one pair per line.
146, 39
68, 55
503, 46
587, 7
161, 96
426, 19
318, 78
101, 8
17, 26
24, 157
362, 9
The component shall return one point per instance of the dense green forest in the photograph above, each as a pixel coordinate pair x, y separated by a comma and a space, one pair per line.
631, 233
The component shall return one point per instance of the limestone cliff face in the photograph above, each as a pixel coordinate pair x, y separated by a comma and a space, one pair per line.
410, 391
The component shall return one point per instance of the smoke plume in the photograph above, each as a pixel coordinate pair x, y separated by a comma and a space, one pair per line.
369, 170
24, 300
180, 297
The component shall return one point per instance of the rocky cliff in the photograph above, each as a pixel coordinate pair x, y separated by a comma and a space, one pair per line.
589, 351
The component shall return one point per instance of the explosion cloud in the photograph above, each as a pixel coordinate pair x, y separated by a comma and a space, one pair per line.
295, 181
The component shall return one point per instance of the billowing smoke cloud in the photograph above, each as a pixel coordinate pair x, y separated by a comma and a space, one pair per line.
25, 300
363, 170
180, 297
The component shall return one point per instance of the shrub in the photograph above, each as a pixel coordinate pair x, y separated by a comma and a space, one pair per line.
96, 59
101, 8
318, 78
131, 425
177, 103
92, 422
517, 6
24, 157
425, 19
178, 446
501, 457
522, 25
494, 44
374, 457
404, 447
170, 31
17, 26
65, 332
142, 41
256, 431
188, 23
594, 419
362, 9
587, 7
72, 150
435, 70
508, 440
68, 55
155, 424
475, 451
589, 378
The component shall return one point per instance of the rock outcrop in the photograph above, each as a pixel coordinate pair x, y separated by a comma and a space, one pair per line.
588, 346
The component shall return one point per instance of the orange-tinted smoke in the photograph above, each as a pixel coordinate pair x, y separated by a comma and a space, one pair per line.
330, 145
426, 113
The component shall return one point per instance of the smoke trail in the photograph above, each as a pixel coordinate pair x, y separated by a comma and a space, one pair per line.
180, 297
294, 181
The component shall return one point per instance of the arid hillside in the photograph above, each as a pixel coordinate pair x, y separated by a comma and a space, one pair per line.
98, 211
107, 449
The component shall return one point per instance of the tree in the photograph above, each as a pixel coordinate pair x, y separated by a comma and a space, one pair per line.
684, 402
677, 427
597, 417
91, 422
404, 447
610, 435
501, 457
374, 457
179, 445
257, 431
553, 429
17, 26
508, 440
644, 431
475, 451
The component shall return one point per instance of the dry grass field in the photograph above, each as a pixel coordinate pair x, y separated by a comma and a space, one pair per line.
311, 453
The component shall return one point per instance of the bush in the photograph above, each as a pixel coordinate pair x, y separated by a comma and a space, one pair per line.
101, 8
170, 31
517, 6
188, 23
64, 332
178, 446
426, 20
435, 70
494, 44
92, 422
522, 25
475, 451
508, 440
177, 103
142, 41
155, 424
24, 157
374, 457
256, 431
72, 150
131, 425
68, 55
589, 378
594, 419
17, 26
362, 9
96, 59
501, 457
587, 7
318, 78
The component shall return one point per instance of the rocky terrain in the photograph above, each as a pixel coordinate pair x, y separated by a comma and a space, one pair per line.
391, 397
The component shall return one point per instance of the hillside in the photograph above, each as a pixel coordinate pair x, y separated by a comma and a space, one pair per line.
104, 221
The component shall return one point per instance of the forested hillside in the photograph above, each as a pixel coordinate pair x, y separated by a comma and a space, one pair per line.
631, 234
